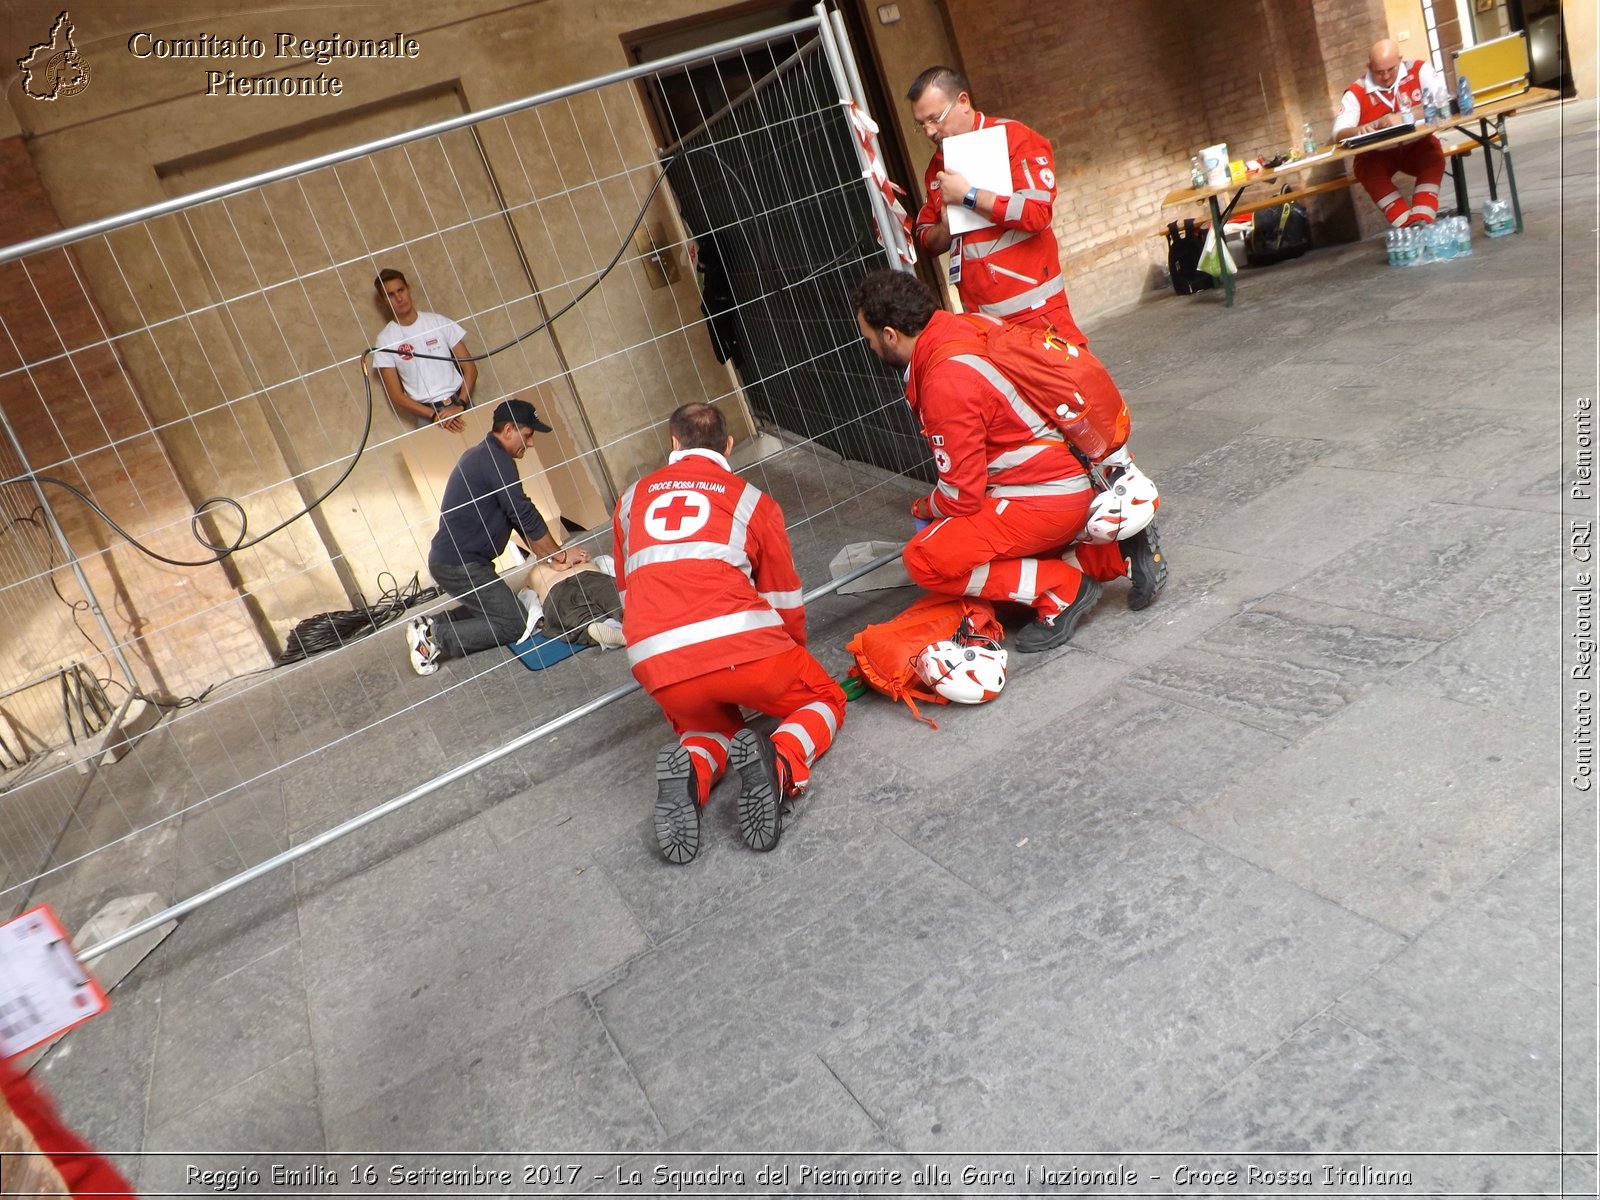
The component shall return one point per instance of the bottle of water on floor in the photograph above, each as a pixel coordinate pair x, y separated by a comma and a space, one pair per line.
1497, 219
1463, 236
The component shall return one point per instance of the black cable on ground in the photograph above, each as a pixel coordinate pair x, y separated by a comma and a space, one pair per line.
330, 630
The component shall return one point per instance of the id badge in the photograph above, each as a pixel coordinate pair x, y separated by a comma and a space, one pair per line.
955, 263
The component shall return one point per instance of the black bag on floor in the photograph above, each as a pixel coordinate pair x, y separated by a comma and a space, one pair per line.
1184, 246
1280, 232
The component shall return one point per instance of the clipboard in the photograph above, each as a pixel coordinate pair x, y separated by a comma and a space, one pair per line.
985, 159
44, 989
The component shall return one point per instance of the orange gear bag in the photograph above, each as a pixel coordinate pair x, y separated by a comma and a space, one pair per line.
1065, 384
886, 653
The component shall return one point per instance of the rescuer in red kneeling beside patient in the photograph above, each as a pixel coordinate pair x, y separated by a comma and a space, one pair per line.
712, 615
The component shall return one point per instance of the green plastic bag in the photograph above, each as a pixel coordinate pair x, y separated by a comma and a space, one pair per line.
1211, 261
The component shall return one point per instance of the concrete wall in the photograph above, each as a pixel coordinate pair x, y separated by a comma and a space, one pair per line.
1582, 46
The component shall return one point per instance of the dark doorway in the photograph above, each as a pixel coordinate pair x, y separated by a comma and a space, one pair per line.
761, 161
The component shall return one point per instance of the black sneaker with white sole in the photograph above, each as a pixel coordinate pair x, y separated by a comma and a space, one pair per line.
1147, 567
677, 810
1046, 633
761, 789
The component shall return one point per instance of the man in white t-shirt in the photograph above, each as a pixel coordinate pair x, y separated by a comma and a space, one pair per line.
422, 359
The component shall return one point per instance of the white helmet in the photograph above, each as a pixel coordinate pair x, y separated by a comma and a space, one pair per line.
1126, 503
964, 670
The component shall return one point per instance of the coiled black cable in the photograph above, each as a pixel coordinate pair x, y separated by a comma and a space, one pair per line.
331, 630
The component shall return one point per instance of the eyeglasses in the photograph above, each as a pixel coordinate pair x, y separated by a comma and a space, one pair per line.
932, 122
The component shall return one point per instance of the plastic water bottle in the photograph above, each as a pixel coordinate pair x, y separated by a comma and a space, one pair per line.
1463, 95
1197, 173
1463, 236
1079, 432
1391, 244
1406, 117
1308, 140
1430, 111
1497, 220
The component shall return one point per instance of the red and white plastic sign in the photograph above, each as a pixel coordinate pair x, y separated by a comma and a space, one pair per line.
44, 989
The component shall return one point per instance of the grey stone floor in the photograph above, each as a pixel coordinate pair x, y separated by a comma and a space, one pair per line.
1280, 866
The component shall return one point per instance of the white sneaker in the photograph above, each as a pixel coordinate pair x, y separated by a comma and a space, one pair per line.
607, 635
423, 649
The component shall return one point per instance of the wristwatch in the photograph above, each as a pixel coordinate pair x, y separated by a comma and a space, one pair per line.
970, 200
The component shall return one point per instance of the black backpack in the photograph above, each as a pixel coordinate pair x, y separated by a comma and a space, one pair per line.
1280, 232
1184, 246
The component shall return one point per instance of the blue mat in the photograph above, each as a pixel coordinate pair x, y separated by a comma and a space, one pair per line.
539, 652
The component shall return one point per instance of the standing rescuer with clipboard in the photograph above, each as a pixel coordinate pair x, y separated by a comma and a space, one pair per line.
1011, 268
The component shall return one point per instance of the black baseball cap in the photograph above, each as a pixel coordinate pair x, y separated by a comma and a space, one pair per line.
518, 412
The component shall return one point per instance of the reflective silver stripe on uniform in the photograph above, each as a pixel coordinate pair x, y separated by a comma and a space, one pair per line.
991, 374
1007, 239
710, 761
734, 556
1009, 274
1001, 507
784, 599
1031, 298
1033, 194
1027, 580
625, 507
1015, 458
798, 731
696, 632
1014, 207
739, 534
946, 489
980, 576
1060, 487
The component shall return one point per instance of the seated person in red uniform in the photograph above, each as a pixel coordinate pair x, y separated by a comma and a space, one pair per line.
1378, 100
712, 616
1011, 269
1011, 494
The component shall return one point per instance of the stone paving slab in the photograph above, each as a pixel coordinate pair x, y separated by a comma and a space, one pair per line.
1389, 823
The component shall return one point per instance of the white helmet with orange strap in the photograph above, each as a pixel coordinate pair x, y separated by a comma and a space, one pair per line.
1124, 505
965, 669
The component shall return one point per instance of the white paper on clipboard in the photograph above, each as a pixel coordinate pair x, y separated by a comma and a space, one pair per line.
983, 157
44, 989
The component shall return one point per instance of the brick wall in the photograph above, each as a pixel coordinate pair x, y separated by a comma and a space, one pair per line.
1128, 92
108, 449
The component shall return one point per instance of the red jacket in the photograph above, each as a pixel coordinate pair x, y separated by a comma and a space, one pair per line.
704, 570
1012, 269
985, 438
79, 1169
1373, 102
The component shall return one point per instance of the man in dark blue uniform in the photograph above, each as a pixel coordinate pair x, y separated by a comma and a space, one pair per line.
483, 502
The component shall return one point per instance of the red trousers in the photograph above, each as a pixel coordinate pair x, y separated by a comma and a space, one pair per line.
1422, 159
1010, 550
792, 686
